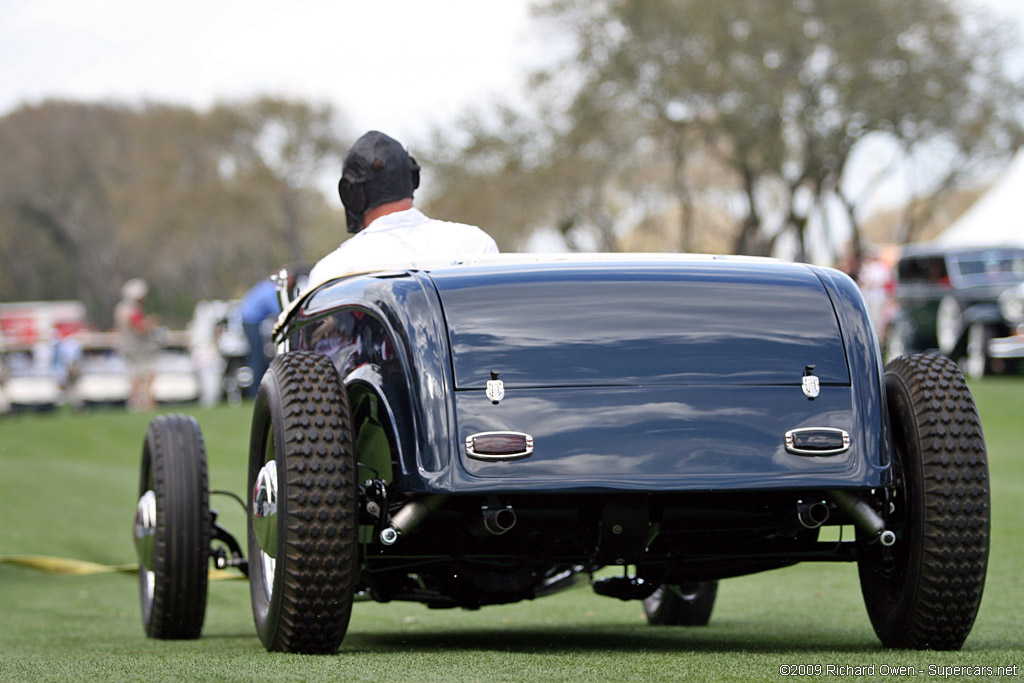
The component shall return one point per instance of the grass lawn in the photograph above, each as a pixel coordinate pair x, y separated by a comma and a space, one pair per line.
68, 488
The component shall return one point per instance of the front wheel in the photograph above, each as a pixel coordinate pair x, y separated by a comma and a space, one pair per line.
924, 591
303, 506
172, 528
687, 604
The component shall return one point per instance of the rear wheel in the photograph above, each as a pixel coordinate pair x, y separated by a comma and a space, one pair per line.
924, 591
687, 604
172, 528
302, 511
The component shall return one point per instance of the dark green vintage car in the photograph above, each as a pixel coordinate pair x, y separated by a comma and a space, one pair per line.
949, 300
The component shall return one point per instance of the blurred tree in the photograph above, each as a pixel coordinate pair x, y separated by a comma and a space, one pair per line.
486, 170
59, 218
690, 110
200, 204
279, 151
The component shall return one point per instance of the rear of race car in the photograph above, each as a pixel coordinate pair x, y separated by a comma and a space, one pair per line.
697, 419
482, 434
700, 419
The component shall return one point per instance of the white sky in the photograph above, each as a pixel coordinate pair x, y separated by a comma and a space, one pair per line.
387, 64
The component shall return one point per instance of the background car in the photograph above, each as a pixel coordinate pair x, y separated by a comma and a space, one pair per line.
102, 381
175, 378
1010, 347
29, 388
949, 300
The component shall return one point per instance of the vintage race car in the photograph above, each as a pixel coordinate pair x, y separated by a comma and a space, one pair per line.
951, 299
488, 432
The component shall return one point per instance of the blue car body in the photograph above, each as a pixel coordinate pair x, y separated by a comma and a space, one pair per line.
631, 374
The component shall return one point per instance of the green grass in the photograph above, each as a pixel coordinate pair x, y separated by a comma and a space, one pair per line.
68, 488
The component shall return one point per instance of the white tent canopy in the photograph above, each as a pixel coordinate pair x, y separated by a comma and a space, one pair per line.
995, 219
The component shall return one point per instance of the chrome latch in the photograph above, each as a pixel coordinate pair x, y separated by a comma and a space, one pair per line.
495, 388
810, 383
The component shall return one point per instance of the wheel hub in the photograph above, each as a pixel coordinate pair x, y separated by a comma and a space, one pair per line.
145, 529
264, 522
264, 508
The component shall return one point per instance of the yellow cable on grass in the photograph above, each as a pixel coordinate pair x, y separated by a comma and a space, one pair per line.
64, 565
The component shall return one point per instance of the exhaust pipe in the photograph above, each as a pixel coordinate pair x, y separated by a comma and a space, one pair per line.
493, 519
864, 516
811, 515
498, 520
410, 516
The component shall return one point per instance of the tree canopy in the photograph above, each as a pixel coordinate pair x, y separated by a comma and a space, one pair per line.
196, 202
685, 115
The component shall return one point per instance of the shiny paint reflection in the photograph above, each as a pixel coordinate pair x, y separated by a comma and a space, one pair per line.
571, 327
389, 337
688, 374
695, 438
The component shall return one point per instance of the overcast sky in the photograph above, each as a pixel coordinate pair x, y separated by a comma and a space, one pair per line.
387, 64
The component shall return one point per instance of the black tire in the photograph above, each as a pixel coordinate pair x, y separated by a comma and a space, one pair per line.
687, 604
924, 591
303, 543
172, 529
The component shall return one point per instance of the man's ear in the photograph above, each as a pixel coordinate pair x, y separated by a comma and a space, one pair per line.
414, 168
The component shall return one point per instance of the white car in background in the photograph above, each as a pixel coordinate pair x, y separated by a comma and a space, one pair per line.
102, 381
31, 388
176, 380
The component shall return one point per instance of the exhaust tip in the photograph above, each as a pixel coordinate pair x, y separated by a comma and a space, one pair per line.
811, 515
500, 520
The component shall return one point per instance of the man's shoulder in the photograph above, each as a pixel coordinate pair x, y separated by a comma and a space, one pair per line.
452, 225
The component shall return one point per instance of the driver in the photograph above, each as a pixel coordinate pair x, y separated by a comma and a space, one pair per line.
378, 178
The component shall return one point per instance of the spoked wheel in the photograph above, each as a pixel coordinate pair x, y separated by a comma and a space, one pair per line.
949, 325
172, 528
303, 507
687, 604
977, 364
924, 591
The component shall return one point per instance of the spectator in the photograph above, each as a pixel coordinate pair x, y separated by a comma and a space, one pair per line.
258, 308
67, 364
878, 286
138, 342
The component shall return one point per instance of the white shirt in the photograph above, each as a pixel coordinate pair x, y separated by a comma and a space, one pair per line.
402, 238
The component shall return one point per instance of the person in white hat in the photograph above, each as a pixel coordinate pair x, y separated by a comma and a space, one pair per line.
138, 344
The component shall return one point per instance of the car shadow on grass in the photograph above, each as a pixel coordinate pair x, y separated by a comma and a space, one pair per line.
583, 638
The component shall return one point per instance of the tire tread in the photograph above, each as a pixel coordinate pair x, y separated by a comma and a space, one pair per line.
177, 455
320, 494
949, 569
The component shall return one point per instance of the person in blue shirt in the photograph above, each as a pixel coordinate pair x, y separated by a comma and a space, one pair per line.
258, 305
